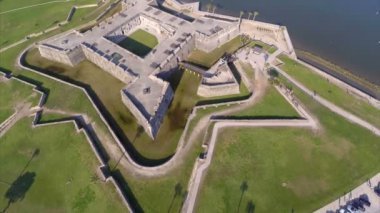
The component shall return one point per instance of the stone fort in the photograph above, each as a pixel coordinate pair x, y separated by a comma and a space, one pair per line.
146, 94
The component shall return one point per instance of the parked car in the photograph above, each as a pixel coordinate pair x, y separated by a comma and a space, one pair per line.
342, 210
352, 209
377, 190
358, 205
364, 200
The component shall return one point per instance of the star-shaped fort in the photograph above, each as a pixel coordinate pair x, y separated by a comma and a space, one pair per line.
118, 45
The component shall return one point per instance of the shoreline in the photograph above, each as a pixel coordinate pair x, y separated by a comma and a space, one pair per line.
339, 73
328, 67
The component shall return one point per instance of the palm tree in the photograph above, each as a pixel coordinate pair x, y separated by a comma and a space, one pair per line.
208, 6
213, 8
255, 14
249, 15
241, 14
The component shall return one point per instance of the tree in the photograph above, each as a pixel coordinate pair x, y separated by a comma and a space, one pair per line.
249, 15
241, 14
255, 14
213, 8
208, 7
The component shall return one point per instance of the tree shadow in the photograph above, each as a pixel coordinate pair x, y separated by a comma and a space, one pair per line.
250, 207
139, 132
18, 188
243, 189
36, 152
177, 192
184, 196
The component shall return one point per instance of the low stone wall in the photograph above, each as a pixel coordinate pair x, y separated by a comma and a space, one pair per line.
80, 128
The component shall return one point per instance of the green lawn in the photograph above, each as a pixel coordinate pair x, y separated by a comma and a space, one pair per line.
272, 105
330, 91
14, 93
61, 177
18, 24
280, 169
139, 42
208, 59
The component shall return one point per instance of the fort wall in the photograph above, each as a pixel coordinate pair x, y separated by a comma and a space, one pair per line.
100, 59
218, 90
68, 57
208, 43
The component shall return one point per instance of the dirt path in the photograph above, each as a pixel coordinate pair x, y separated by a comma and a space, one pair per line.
21, 110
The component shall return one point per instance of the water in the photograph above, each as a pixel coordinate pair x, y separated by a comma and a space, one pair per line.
345, 32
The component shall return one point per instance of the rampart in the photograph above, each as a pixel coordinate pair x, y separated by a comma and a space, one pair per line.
69, 57
218, 90
207, 43
105, 62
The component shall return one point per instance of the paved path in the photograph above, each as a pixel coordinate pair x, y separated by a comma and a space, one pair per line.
349, 116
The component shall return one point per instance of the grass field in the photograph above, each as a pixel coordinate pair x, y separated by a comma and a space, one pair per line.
51, 173
272, 105
14, 93
331, 92
24, 22
280, 169
139, 42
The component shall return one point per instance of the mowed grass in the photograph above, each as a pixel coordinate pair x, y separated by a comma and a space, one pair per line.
280, 169
208, 59
139, 42
14, 93
53, 173
330, 91
18, 24
272, 105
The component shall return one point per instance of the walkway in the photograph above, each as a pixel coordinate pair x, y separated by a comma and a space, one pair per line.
349, 116
21, 111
